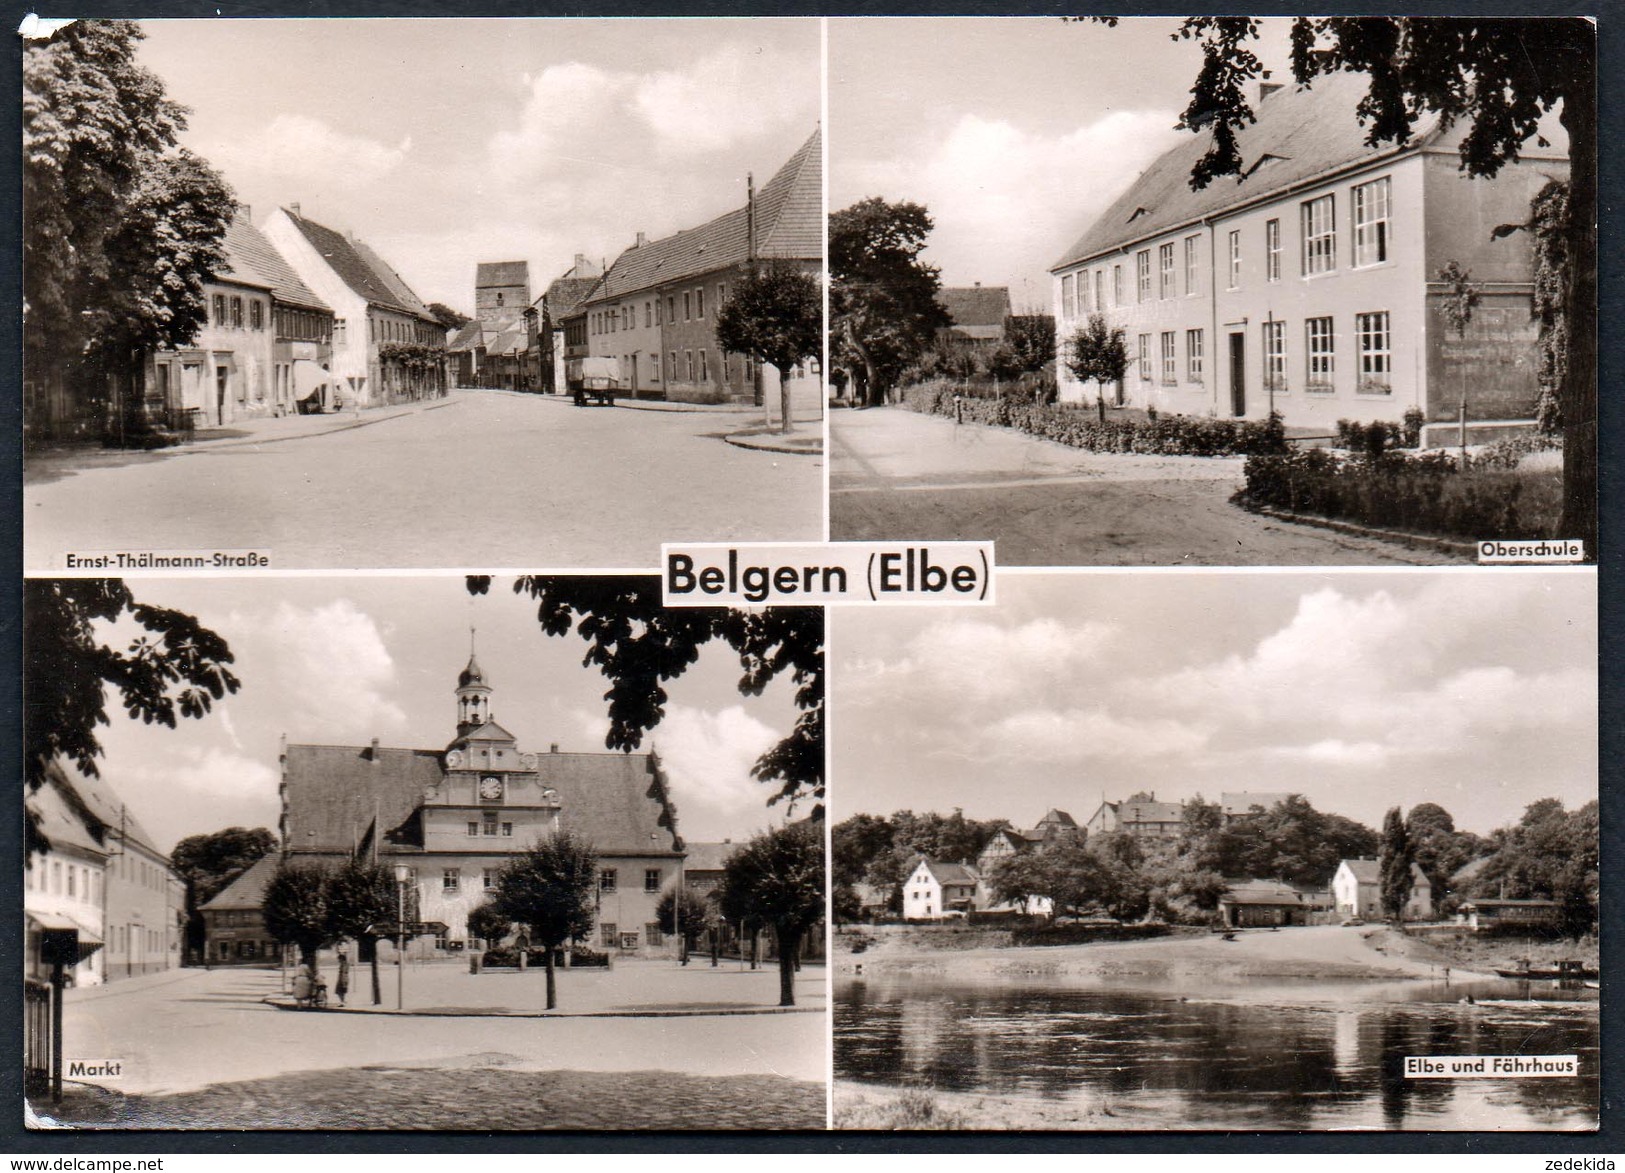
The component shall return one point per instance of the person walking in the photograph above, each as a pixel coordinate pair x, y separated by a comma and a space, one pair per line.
342, 986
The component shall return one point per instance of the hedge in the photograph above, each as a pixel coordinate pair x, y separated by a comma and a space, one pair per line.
1427, 493
1082, 934
1079, 427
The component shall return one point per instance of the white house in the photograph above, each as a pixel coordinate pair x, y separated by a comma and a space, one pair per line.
1309, 285
373, 307
1357, 890
63, 888
934, 888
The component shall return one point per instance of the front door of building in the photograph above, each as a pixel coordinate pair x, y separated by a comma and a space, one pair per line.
1238, 374
222, 378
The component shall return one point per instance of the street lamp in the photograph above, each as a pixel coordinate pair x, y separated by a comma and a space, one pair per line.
402, 874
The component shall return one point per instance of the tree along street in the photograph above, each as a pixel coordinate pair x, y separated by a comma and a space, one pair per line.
490, 478
896, 475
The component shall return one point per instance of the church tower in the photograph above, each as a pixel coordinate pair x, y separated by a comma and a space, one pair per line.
473, 698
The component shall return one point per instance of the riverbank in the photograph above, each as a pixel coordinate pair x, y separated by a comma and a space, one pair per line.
1325, 952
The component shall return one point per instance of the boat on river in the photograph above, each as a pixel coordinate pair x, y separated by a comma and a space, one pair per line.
1568, 970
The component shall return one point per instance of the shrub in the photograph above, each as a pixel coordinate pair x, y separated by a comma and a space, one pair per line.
1078, 427
1425, 493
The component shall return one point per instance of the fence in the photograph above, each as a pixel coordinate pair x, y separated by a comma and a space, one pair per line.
36, 1033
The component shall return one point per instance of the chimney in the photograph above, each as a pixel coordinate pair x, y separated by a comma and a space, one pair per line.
581, 263
1266, 87
294, 208
554, 748
375, 749
246, 212
642, 240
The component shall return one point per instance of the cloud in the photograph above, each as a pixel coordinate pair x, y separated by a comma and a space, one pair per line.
326, 667
199, 789
976, 662
719, 101
1008, 201
1075, 736
708, 755
305, 154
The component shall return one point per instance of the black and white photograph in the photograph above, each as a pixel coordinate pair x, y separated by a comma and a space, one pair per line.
389, 853
1219, 851
1214, 291
497, 293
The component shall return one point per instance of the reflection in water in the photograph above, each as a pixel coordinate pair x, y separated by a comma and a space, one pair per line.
1299, 1056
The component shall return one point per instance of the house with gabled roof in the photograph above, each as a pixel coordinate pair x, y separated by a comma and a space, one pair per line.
1139, 815
1357, 890
936, 887
557, 308
976, 313
378, 319
454, 815
655, 308
1310, 284
234, 931
264, 345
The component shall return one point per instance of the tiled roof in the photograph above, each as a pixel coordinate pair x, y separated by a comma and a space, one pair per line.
1300, 134
250, 257
62, 824
355, 268
1366, 871
612, 799
708, 857
789, 225
103, 803
394, 282
1261, 896
566, 293
248, 889
976, 305
469, 335
1150, 812
512, 339
1057, 817
950, 873
493, 273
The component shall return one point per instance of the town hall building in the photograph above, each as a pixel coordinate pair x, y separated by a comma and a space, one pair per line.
455, 815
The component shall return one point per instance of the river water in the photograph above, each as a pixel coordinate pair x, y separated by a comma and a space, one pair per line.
1266, 1055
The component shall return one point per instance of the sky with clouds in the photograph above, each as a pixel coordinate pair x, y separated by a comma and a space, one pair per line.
343, 660
1015, 132
443, 143
1360, 691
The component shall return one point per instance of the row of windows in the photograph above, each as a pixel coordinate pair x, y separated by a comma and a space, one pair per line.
301, 325
1373, 348
227, 312
59, 879
625, 317
451, 879
611, 936
1371, 231
488, 827
151, 941
609, 880
394, 330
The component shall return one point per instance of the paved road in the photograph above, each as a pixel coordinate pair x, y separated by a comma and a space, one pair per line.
489, 479
204, 1047
895, 474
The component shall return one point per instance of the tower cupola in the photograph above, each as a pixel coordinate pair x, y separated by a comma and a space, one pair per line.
473, 696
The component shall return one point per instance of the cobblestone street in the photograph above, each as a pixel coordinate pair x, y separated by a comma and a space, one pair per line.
472, 1097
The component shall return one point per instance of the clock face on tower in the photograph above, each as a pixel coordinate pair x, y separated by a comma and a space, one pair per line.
491, 787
